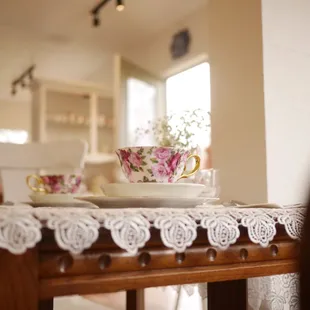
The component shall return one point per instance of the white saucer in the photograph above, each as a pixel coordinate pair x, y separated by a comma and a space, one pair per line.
68, 204
146, 202
269, 206
48, 198
162, 190
57, 200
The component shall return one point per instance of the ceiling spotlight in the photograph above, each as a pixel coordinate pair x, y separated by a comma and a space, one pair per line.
13, 91
97, 8
120, 5
22, 80
96, 21
30, 74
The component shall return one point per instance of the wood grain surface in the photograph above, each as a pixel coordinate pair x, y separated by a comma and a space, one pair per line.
95, 284
19, 281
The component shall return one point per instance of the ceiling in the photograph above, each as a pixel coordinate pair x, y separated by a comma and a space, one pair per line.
57, 36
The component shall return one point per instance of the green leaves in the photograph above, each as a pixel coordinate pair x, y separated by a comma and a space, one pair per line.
134, 168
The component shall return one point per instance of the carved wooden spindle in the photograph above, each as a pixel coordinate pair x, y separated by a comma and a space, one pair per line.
244, 254
65, 262
274, 250
144, 259
180, 257
104, 261
211, 254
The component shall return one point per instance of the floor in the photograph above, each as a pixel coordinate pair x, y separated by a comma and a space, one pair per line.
156, 299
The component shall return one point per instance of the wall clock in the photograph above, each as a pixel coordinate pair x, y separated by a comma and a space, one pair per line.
180, 44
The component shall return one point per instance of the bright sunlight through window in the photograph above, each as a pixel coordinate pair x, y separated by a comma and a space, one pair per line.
141, 109
190, 90
13, 136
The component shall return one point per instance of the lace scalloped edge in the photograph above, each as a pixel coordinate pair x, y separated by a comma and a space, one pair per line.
77, 229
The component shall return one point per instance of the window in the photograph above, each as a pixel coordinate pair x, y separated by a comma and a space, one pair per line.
13, 136
190, 90
140, 110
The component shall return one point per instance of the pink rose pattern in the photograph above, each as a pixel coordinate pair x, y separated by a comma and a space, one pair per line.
135, 159
157, 164
174, 161
161, 172
61, 184
162, 153
127, 170
124, 155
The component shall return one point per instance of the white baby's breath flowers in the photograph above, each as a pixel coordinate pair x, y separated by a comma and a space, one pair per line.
178, 130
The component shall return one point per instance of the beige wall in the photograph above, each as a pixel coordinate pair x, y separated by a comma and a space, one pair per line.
237, 98
286, 27
15, 115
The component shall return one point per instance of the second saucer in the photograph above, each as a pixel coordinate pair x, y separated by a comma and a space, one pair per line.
180, 190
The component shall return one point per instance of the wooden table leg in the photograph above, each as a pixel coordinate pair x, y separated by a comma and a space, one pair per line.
46, 304
230, 295
135, 300
19, 281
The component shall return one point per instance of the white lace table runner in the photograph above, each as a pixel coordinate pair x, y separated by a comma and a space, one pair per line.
77, 229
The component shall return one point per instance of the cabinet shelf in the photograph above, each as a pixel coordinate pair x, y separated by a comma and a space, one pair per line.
62, 110
74, 125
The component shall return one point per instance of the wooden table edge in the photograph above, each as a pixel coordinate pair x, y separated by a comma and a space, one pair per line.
108, 283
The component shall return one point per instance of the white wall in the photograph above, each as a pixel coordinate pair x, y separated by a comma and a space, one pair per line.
237, 98
255, 85
154, 55
286, 25
15, 115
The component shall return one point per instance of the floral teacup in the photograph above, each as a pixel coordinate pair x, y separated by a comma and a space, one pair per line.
155, 164
54, 184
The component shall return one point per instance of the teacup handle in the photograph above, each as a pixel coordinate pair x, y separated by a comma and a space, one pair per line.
197, 165
37, 188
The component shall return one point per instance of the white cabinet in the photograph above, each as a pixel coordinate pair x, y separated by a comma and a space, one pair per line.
62, 110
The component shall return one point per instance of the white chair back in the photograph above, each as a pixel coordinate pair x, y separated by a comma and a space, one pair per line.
19, 160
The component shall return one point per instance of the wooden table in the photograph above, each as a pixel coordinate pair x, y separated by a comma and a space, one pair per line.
30, 281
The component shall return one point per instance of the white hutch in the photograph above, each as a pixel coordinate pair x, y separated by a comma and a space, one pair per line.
63, 110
